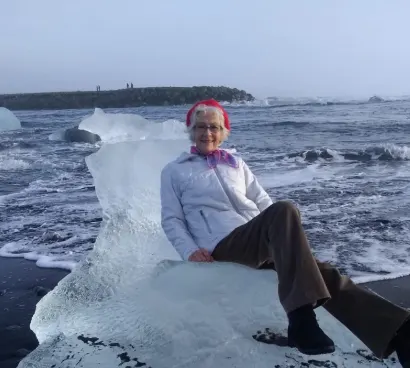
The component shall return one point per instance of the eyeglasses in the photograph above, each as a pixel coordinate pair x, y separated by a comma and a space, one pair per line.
212, 128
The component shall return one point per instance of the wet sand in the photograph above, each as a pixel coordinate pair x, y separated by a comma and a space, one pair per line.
22, 284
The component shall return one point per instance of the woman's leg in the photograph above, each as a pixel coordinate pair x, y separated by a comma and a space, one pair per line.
373, 319
276, 239
276, 236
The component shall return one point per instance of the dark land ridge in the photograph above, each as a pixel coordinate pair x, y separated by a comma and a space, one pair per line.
129, 97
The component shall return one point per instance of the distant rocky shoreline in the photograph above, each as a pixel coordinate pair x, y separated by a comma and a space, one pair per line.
130, 97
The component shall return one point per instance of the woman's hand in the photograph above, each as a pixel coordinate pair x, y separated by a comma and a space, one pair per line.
201, 255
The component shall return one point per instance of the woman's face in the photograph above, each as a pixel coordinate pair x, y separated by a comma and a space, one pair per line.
208, 132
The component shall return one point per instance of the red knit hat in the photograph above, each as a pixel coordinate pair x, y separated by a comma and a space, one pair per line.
213, 103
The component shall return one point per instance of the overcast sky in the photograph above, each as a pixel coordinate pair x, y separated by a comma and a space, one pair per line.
267, 47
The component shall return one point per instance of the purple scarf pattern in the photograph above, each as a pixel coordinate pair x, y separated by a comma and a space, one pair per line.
215, 157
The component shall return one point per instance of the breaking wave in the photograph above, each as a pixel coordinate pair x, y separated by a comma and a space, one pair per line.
387, 152
278, 102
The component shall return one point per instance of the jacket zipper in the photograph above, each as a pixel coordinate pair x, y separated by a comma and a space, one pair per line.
227, 194
205, 220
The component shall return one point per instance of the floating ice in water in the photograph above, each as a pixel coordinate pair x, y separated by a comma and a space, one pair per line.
8, 121
74, 135
122, 127
132, 301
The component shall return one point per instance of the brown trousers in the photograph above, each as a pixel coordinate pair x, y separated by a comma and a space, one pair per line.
275, 239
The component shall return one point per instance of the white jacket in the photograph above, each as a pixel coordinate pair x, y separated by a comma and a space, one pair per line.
200, 205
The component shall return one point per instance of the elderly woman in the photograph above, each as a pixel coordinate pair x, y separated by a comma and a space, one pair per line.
214, 209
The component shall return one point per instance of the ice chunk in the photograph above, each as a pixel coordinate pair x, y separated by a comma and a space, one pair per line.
8, 121
117, 127
132, 301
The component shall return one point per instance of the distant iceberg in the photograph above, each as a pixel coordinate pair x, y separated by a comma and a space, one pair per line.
8, 121
119, 127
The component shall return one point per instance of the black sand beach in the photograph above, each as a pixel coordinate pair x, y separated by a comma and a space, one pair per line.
22, 284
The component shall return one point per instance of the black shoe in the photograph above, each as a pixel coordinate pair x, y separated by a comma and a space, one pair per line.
402, 345
305, 334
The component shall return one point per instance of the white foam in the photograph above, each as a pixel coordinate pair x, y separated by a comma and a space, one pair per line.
371, 278
8, 197
125, 127
21, 250
57, 136
381, 259
8, 121
165, 313
9, 250
9, 163
50, 262
397, 152
286, 177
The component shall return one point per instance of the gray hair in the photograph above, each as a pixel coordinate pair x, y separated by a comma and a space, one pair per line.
207, 109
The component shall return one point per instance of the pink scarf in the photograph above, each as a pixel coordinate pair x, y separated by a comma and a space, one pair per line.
215, 157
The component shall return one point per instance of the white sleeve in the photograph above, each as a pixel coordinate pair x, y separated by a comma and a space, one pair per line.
173, 219
254, 190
